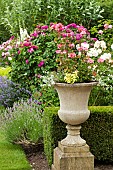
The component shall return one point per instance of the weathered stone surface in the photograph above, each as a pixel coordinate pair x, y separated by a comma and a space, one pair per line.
73, 158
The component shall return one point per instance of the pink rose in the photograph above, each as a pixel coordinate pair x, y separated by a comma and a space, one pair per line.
90, 61
100, 60
27, 61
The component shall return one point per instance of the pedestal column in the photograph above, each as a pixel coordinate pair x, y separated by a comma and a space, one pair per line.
72, 152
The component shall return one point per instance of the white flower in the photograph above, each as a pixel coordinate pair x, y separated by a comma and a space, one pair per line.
85, 45
106, 56
97, 44
99, 51
9, 58
92, 52
103, 44
112, 46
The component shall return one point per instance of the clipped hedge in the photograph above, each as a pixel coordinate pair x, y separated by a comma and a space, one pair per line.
97, 131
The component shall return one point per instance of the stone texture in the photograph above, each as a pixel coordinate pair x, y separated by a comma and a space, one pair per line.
73, 158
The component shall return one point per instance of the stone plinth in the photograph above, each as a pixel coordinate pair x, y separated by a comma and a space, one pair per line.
72, 158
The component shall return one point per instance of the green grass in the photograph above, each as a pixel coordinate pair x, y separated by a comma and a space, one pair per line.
12, 156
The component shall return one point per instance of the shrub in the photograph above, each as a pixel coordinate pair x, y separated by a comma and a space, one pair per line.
23, 122
27, 13
101, 96
97, 131
11, 92
4, 32
107, 6
33, 57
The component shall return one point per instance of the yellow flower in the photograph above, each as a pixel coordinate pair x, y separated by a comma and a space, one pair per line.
71, 77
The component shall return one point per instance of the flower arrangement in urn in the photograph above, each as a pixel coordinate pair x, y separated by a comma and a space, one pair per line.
80, 58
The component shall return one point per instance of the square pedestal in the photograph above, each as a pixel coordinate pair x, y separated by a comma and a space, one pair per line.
73, 158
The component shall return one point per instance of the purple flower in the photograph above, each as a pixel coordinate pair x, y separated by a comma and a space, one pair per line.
41, 63
78, 36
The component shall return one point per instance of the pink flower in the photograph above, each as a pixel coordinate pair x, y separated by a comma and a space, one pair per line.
27, 44
45, 27
90, 61
58, 27
41, 63
39, 76
11, 38
35, 34
30, 50
27, 61
38, 26
59, 46
78, 36
64, 35
71, 25
106, 26
94, 39
18, 51
100, 60
64, 52
34, 47
100, 32
3, 54
58, 51
71, 55
72, 45
82, 30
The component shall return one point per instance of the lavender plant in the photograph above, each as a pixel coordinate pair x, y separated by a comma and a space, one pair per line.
11, 92
23, 122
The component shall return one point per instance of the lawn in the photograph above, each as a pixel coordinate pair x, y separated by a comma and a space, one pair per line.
12, 156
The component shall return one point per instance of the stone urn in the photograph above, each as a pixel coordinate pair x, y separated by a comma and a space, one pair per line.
74, 109
72, 152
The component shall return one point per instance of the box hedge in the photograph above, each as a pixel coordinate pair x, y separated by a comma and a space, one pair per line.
97, 131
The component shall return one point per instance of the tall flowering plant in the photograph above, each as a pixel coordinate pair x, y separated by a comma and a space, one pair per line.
80, 58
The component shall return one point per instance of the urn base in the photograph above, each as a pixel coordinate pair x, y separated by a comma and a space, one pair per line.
73, 158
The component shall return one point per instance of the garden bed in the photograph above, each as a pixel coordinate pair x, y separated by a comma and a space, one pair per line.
37, 159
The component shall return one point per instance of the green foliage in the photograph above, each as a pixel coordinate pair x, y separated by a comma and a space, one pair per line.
97, 131
4, 32
106, 26
101, 96
4, 71
23, 122
53, 131
107, 6
26, 14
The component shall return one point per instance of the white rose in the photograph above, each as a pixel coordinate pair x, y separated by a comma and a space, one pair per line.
92, 52
9, 58
103, 44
